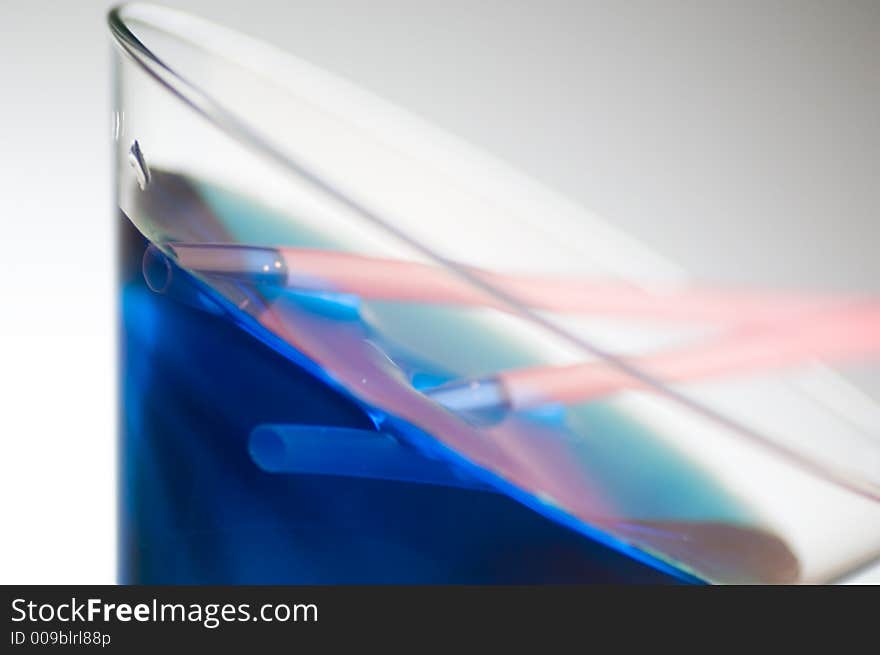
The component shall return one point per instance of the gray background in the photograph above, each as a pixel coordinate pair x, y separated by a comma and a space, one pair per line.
717, 132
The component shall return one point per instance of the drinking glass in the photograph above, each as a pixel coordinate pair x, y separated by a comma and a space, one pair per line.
357, 350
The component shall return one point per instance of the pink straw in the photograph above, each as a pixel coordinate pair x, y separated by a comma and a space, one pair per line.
375, 278
840, 336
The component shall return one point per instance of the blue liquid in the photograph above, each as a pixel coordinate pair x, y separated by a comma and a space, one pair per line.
225, 369
196, 509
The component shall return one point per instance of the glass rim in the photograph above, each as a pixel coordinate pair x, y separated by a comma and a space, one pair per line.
172, 22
